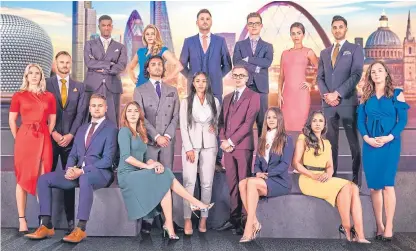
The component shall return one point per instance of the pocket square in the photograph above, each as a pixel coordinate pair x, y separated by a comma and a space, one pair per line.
116, 50
75, 90
170, 95
346, 53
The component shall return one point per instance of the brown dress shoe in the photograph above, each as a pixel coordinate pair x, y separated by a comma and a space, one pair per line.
75, 236
41, 233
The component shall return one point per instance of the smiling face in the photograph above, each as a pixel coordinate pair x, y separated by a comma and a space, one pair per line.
318, 123
339, 30
378, 74
297, 35
204, 22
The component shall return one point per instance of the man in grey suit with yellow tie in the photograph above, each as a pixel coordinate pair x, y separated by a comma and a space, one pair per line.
105, 60
160, 103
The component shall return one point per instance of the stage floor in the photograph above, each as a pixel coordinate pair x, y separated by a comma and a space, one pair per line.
211, 240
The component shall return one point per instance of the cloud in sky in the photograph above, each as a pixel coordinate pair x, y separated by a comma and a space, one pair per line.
118, 17
39, 16
394, 4
330, 11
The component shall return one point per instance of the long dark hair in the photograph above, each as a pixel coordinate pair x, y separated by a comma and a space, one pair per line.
208, 95
311, 140
280, 138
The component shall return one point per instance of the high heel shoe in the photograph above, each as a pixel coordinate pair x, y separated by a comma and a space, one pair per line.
341, 230
195, 208
245, 239
256, 230
23, 232
171, 236
387, 239
354, 236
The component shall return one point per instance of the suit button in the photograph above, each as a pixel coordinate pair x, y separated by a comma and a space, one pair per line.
166, 125
168, 105
150, 105
166, 115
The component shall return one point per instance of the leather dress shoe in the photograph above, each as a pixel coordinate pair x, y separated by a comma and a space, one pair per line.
75, 236
71, 227
41, 233
146, 227
226, 226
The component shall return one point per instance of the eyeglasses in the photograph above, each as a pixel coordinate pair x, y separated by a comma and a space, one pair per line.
238, 76
253, 24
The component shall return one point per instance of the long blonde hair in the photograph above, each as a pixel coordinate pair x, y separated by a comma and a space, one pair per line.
369, 87
157, 46
42, 83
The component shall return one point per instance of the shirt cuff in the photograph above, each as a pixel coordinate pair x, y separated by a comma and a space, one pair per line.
157, 136
258, 69
230, 142
167, 135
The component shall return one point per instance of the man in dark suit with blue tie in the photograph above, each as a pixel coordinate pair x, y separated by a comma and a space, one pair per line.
70, 113
340, 69
208, 53
256, 56
89, 166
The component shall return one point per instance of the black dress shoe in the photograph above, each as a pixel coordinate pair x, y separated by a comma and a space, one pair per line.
177, 227
226, 226
146, 227
238, 231
70, 227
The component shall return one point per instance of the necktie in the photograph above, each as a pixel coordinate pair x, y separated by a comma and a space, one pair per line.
236, 96
105, 45
64, 92
335, 54
253, 46
90, 133
205, 43
158, 88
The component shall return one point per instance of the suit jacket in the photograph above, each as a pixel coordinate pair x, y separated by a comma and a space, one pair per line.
219, 61
344, 76
101, 151
113, 62
278, 165
237, 125
198, 135
161, 115
71, 116
262, 58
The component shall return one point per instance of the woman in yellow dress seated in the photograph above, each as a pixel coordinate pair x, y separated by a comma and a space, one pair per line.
312, 159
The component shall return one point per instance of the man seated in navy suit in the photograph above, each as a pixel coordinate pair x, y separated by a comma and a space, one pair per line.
89, 166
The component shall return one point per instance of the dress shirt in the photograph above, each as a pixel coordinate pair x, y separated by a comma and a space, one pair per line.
99, 121
270, 135
208, 39
341, 43
66, 83
105, 39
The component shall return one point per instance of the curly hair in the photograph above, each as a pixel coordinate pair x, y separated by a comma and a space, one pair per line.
158, 44
279, 140
312, 142
140, 128
369, 87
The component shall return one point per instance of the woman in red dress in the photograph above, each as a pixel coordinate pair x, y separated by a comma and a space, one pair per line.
33, 147
295, 91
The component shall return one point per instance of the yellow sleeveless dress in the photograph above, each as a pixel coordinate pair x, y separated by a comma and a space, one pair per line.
328, 190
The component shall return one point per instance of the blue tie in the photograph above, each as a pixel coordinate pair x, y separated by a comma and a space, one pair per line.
158, 88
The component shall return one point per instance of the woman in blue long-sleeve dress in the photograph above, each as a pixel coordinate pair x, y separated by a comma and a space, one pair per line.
382, 116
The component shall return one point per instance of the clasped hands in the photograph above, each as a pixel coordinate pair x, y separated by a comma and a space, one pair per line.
225, 146
378, 141
73, 173
264, 176
332, 98
62, 140
321, 177
163, 141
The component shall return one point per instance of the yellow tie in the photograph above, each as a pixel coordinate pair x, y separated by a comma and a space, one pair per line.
335, 54
64, 94
105, 46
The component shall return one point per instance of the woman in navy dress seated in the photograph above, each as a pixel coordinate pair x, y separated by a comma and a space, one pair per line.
154, 46
274, 155
382, 116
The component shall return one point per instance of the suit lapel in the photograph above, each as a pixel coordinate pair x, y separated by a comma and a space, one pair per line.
164, 93
55, 85
197, 44
227, 103
247, 45
244, 95
259, 46
70, 92
343, 48
212, 44
110, 47
96, 132
100, 45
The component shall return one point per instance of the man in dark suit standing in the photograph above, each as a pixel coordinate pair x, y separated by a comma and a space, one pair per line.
340, 69
105, 60
70, 114
208, 53
256, 55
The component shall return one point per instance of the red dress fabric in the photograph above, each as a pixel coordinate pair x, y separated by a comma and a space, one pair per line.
33, 141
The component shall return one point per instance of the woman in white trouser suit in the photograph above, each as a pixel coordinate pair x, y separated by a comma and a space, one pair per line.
199, 121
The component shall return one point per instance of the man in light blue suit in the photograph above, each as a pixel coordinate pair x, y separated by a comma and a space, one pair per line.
208, 53
340, 69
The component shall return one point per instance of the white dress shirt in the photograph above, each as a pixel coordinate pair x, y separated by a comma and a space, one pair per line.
99, 121
105, 39
208, 39
340, 46
240, 92
60, 84
201, 112
270, 135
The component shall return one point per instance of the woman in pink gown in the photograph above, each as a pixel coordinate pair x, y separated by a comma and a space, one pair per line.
295, 98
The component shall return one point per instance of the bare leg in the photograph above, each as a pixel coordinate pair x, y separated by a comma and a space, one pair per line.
255, 188
377, 199
181, 191
242, 187
21, 198
389, 207
344, 207
357, 213
166, 204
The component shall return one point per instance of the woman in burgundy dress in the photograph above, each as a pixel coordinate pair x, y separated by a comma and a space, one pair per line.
33, 147
295, 97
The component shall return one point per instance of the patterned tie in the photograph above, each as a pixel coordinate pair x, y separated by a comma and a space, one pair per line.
335, 54
236, 96
90, 133
158, 88
64, 92
253, 45
105, 45
205, 43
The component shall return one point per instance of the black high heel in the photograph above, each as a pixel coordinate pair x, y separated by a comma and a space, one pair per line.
354, 235
387, 239
24, 231
341, 230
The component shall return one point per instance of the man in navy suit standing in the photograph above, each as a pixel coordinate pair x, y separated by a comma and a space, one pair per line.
89, 166
70, 114
339, 71
208, 53
256, 56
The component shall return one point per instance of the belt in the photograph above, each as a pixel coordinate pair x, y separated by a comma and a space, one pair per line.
34, 127
314, 168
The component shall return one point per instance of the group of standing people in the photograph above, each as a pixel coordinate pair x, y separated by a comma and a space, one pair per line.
212, 127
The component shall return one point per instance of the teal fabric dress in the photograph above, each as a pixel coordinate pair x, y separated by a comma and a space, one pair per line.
142, 189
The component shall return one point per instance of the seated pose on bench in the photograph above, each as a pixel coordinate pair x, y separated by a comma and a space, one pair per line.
89, 166
274, 155
146, 184
312, 159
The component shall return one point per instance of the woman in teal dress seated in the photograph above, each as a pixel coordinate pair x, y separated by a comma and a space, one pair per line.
154, 46
382, 116
145, 184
